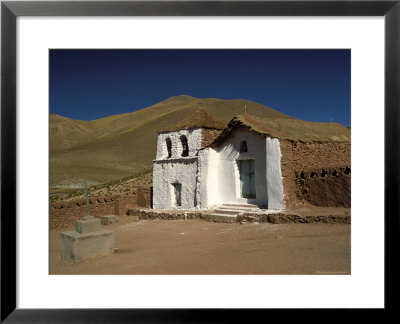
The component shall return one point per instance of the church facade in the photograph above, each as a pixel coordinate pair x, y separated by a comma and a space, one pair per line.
201, 163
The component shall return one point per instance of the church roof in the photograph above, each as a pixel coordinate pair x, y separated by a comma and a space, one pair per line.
289, 129
199, 119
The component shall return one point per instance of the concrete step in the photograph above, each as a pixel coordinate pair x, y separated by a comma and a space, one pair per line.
239, 207
227, 211
222, 218
238, 210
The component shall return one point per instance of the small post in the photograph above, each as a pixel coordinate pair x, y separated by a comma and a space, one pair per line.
245, 108
87, 198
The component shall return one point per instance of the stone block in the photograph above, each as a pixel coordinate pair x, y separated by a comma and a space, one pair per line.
109, 219
80, 246
88, 224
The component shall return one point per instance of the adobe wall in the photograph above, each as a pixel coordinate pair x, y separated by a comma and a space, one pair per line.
327, 187
66, 213
315, 157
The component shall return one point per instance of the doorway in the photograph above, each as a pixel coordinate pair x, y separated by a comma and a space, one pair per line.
177, 193
247, 179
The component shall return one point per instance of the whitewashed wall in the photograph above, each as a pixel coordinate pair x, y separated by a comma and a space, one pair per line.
210, 177
208, 192
223, 180
274, 175
176, 169
165, 174
220, 181
194, 141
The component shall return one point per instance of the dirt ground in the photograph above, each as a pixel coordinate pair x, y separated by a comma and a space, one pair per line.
201, 247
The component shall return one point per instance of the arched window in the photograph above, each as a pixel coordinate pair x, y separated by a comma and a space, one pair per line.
243, 146
169, 147
185, 146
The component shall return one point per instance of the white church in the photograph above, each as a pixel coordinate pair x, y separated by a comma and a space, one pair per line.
202, 164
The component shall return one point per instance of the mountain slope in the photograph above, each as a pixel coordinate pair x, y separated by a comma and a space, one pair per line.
113, 147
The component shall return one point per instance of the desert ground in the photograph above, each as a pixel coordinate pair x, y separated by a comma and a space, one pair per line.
201, 247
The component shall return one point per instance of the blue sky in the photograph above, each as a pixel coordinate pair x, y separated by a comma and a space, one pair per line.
312, 85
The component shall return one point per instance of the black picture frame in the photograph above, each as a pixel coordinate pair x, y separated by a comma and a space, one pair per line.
10, 10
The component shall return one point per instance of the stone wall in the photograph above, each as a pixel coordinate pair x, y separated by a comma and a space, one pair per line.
300, 157
151, 214
66, 213
262, 217
283, 218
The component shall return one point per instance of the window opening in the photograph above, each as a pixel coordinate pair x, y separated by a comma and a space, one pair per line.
169, 147
243, 147
185, 146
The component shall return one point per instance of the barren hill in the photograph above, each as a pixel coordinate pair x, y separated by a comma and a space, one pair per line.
118, 146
